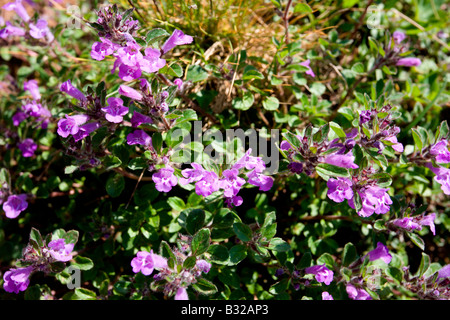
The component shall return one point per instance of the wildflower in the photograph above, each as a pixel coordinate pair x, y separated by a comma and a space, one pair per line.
380, 252
444, 272
416, 223
339, 189
203, 265
264, 183
231, 183
152, 61
342, 160
409, 62
177, 38
322, 273
146, 262
440, 151
32, 86
357, 294
28, 147
208, 184
60, 251
18, 8
164, 179
249, 162
11, 30
179, 83
326, 296
85, 130
442, 177
68, 88
397, 146
100, 50
16, 280
40, 30
115, 110
398, 37
15, 205
129, 92
138, 118
71, 124
181, 294
374, 200
139, 137
192, 175
309, 71
130, 54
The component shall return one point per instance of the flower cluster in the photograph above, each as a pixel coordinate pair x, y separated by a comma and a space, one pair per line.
230, 180
36, 29
170, 279
117, 39
39, 256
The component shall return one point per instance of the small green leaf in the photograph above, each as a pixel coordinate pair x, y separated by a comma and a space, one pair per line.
271, 103
424, 264
201, 241
245, 102
237, 253
242, 231
195, 220
82, 263
156, 35
115, 185
190, 262
332, 170
302, 8
196, 73
349, 254
417, 240
279, 245
205, 287
219, 253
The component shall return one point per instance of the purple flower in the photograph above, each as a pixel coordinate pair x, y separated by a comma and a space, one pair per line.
309, 71
15, 205
152, 61
365, 116
146, 262
18, 8
295, 167
71, 124
61, 251
40, 30
32, 86
130, 54
249, 162
115, 110
18, 117
398, 37
28, 147
409, 62
264, 183
323, 274
208, 184
68, 88
380, 252
164, 179
139, 137
192, 175
85, 130
100, 50
442, 177
374, 200
235, 201
416, 223
11, 30
357, 294
444, 272
181, 294
138, 118
129, 73
397, 146
129, 92
326, 296
339, 189
16, 280
342, 160
177, 38
440, 150
179, 83
203, 265
231, 183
